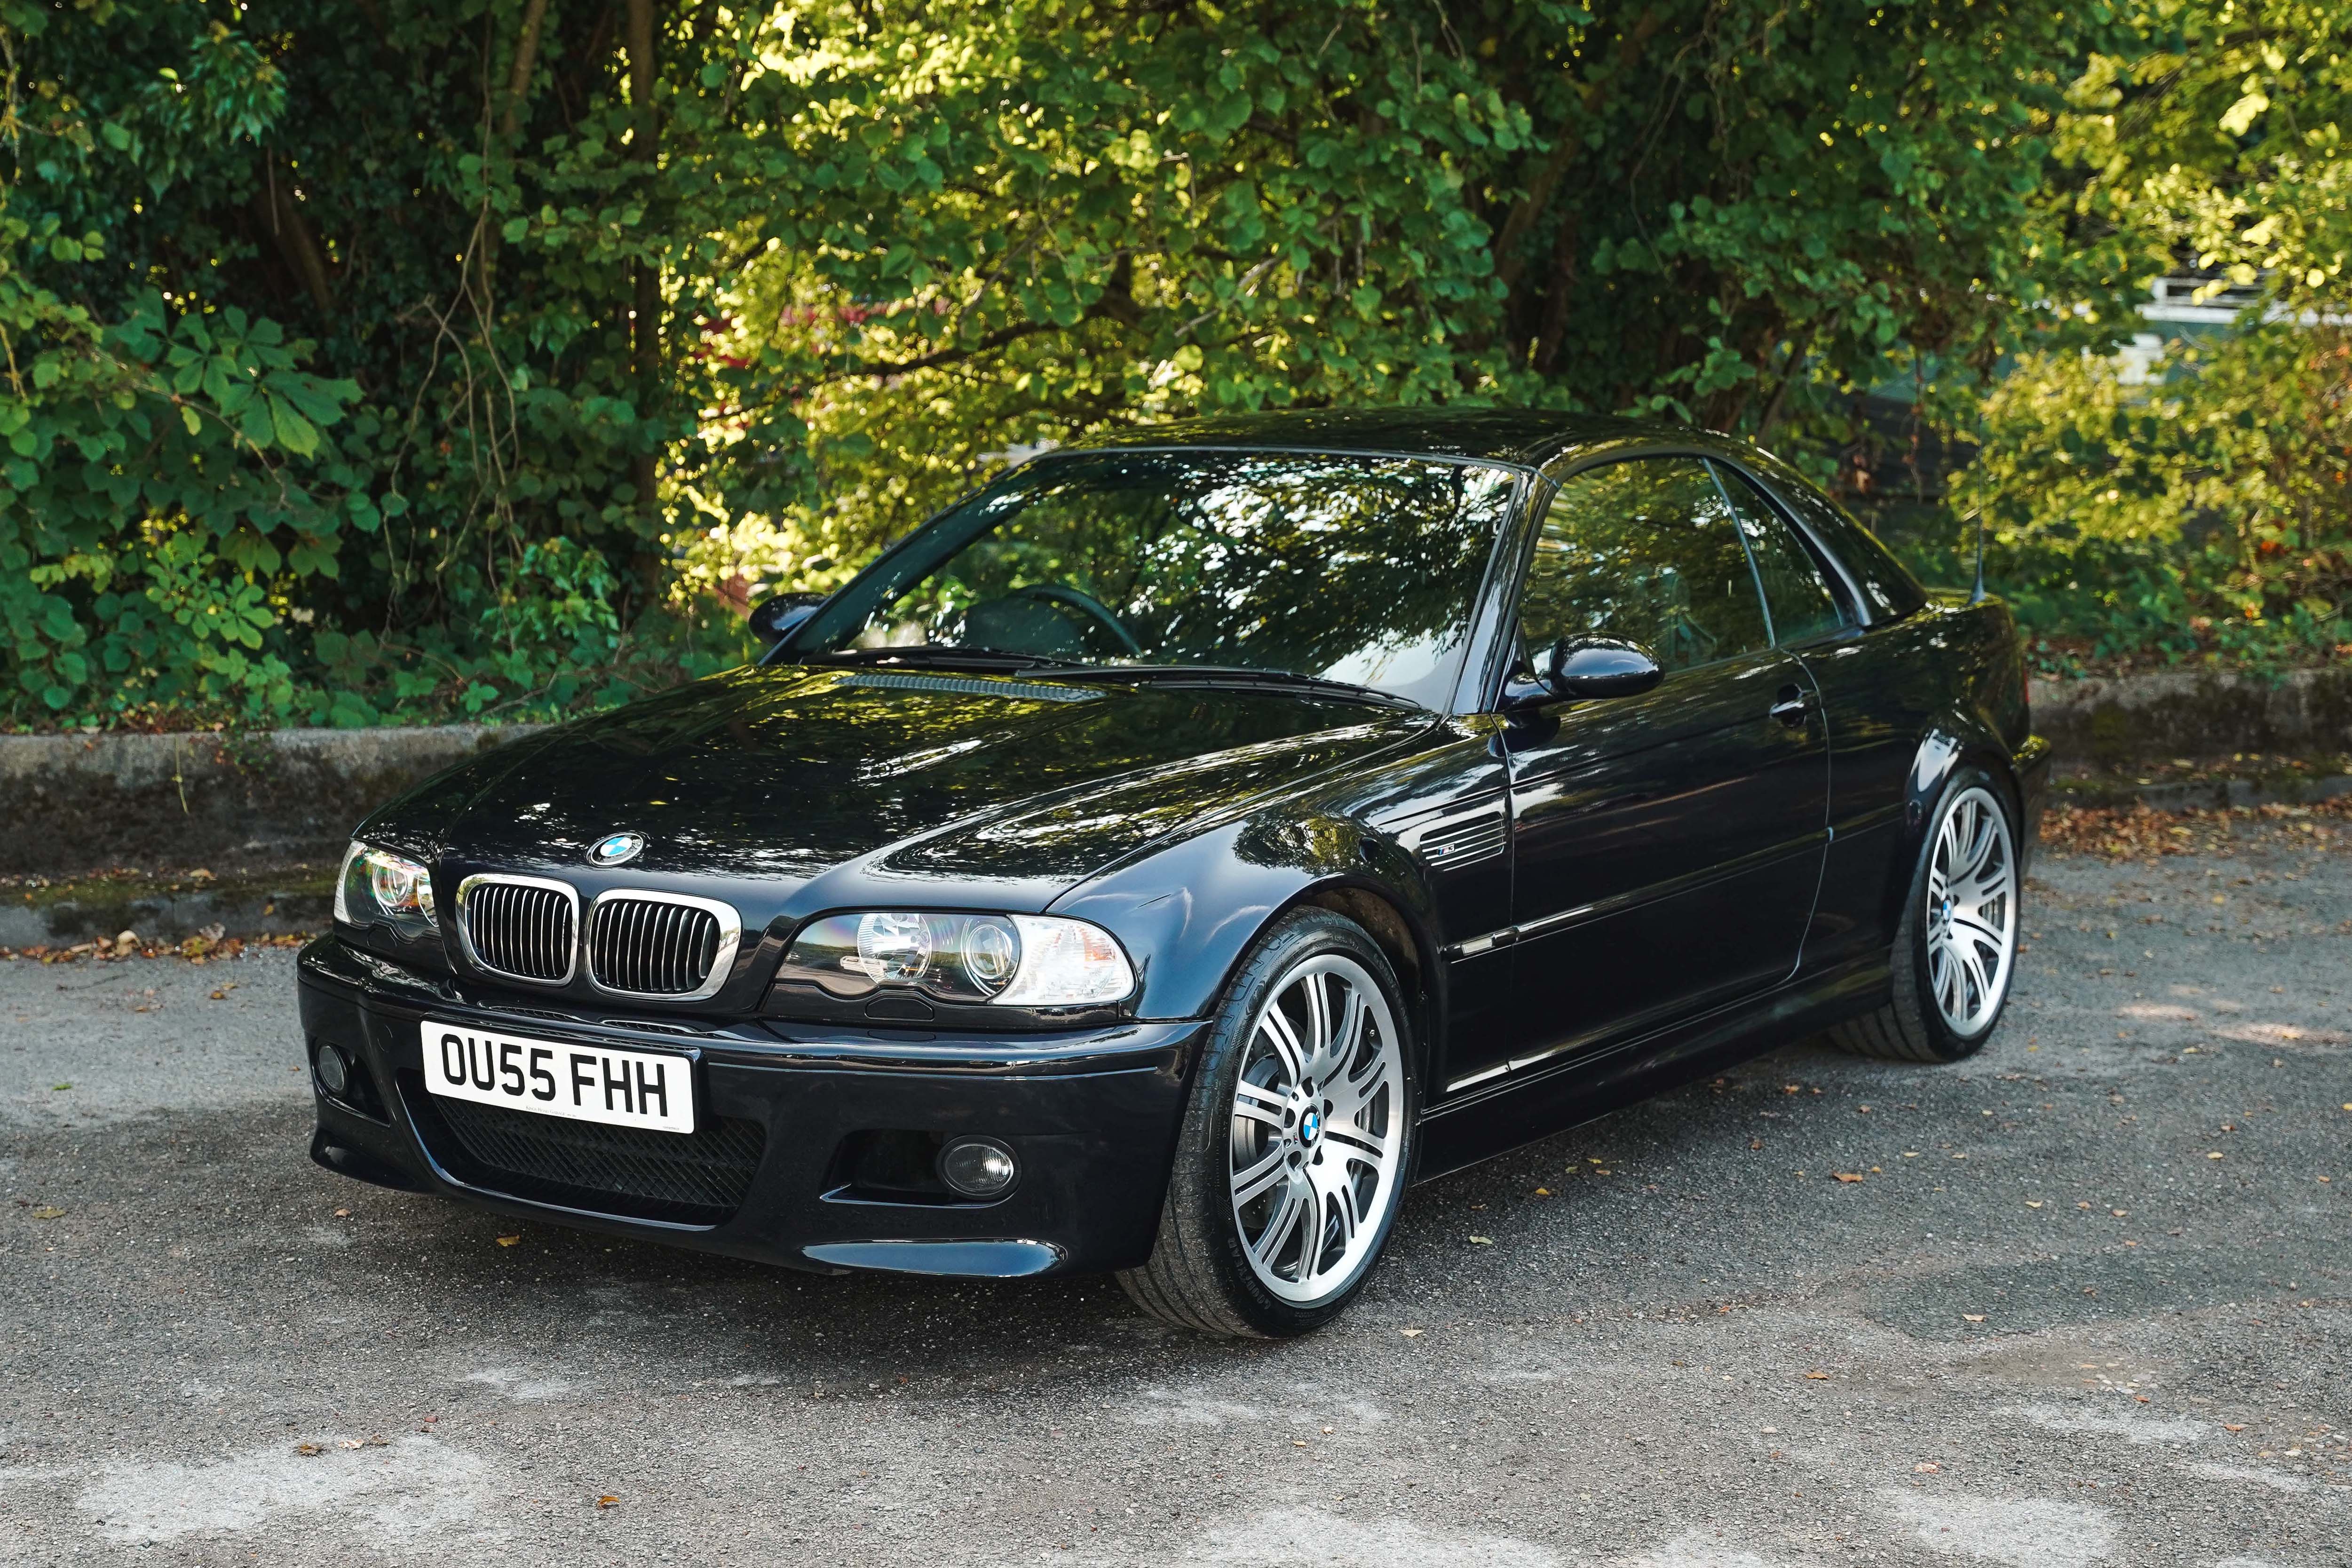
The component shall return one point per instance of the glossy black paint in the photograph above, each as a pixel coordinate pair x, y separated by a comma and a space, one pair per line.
1585, 898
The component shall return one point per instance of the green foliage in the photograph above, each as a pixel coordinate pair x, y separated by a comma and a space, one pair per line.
400, 358
1703, 209
2197, 507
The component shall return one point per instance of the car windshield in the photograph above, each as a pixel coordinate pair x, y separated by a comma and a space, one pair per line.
1353, 569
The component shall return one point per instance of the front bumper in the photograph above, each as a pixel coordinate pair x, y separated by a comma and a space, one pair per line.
1092, 1118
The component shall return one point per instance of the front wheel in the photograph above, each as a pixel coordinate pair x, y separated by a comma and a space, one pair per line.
1297, 1141
1956, 948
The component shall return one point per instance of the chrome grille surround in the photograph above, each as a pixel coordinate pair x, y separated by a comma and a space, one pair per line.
519, 928
663, 947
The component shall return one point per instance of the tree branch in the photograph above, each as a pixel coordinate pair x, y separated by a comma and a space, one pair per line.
1509, 261
296, 243
525, 60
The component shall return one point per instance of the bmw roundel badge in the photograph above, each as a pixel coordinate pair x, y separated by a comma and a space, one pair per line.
617, 848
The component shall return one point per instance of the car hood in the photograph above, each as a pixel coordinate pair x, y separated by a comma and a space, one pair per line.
788, 772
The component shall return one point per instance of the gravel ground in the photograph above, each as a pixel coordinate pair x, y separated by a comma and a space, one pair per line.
2086, 1303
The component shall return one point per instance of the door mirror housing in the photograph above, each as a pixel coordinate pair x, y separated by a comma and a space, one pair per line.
1600, 666
774, 618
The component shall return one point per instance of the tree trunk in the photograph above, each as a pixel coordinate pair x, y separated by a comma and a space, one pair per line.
281, 215
645, 334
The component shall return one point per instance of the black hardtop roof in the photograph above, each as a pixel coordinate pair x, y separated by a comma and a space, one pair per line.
1524, 435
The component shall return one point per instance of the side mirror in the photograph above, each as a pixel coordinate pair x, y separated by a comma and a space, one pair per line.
774, 619
1599, 666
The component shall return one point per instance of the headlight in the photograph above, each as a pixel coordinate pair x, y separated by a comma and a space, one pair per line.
377, 885
1018, 961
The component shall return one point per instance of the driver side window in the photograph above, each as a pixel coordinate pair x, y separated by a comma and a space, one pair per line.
1644, 550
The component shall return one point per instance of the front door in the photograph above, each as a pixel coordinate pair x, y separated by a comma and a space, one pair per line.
1667, 847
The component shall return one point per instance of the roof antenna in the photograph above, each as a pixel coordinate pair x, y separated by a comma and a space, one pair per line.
1977, 594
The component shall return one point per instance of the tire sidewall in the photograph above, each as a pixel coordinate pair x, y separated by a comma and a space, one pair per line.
1948, 1042
1203, 1177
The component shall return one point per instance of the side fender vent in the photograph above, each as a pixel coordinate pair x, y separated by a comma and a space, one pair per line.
1460, 840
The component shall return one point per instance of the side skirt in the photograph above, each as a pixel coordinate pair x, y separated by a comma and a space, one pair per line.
1523, 1109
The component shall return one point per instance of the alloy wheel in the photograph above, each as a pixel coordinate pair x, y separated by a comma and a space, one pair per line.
1318, 1129
1971, 924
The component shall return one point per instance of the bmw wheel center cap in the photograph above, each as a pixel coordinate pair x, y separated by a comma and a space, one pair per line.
617, 849
1310, 1127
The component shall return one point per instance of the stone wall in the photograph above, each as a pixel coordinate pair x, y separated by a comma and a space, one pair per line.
72, 804
2198, 715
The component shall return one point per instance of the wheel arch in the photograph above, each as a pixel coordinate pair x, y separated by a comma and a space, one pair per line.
1952, 742
1194, 913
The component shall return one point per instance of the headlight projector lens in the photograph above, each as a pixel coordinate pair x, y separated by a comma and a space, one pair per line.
334, 1075
978, 1167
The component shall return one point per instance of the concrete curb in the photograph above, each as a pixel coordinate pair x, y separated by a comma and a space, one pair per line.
165, 918
2201, 794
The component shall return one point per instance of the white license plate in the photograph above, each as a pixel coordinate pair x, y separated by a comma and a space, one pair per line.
651, 1089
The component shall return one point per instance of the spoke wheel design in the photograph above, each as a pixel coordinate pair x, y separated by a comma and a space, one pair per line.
1317, 1128
1971, 912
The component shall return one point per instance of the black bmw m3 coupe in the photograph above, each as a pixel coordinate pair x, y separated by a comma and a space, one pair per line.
1162, 858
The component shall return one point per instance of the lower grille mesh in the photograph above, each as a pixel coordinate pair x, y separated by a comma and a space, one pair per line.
696, 1179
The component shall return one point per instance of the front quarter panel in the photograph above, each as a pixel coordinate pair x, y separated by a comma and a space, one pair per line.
1190, 912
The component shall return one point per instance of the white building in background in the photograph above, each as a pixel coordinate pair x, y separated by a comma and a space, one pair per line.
2181, 307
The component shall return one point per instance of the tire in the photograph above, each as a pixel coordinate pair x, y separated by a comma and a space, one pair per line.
1951, 977
1220, 1265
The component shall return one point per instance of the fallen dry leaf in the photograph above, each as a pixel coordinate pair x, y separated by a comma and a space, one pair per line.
2233, 1425
1972, 1317
508, 1240
308, 1448
343, 1213
1482, 1241
2034, 1203
608, 1500
1847, 1175
1817, 1377
1411, 1333
1545, 1191
48, 1211
1928, 1467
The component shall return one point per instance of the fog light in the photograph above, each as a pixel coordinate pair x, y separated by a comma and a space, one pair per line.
334, 1073
978, 1167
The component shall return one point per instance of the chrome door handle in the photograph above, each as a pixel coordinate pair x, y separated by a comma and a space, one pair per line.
1791, 708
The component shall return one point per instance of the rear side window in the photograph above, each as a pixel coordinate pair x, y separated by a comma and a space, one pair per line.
1804, 604
1889, 592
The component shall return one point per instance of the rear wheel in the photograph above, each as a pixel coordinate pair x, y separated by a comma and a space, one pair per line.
1296, 1145
1956, 948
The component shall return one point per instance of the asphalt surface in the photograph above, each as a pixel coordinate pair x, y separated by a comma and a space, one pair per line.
2086, 1304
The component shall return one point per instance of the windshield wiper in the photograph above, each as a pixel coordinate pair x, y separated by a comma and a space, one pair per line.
932, 655
1227, 675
